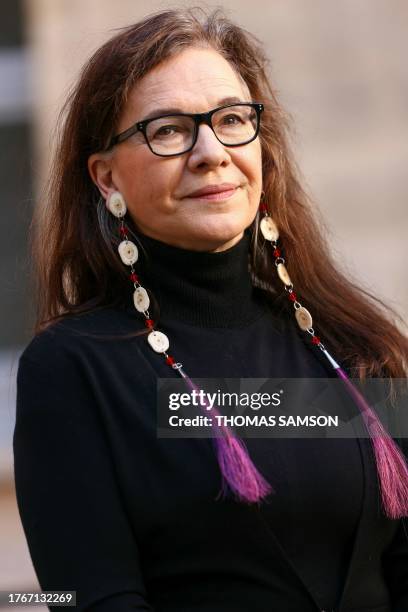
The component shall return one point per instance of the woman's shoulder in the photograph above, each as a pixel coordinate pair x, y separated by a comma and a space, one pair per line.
74, 332
73, 369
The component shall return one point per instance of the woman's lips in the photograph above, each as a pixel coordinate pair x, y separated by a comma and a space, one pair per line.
219, 195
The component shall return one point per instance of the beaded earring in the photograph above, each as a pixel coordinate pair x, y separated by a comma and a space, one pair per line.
238, 472
237, 469
392, 467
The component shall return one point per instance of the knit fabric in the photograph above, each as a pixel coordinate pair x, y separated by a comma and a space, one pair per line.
129, 520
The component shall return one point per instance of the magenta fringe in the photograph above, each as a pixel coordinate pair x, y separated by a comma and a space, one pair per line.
392, 467
239, 474
244, 480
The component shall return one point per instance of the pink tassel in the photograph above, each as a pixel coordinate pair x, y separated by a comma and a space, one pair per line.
237, 469
391, 464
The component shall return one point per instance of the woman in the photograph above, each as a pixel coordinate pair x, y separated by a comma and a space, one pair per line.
173, 207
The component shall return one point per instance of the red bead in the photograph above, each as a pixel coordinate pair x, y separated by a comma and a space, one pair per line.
263, 207
170, 360
122, 230
277, 252
134, 277
292, 296
316, 340
149, 323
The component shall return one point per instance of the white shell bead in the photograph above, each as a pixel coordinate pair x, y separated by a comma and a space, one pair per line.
269, 229
158, 341
128, 252
141, 299
283, 274
304, 318
116, 204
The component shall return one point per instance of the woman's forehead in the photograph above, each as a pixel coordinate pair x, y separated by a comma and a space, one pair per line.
189, 82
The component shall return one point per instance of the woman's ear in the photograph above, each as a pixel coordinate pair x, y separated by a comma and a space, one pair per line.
100, 171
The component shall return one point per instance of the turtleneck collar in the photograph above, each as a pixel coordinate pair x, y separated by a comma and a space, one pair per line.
208, 289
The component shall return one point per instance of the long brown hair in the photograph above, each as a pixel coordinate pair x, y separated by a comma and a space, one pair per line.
76, 267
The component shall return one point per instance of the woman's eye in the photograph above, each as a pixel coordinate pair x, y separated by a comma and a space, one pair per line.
232, 119
167, 130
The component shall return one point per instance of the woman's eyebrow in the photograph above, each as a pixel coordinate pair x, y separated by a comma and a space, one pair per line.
165, 111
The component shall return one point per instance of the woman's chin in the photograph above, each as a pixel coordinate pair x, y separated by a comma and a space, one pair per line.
218, 240
221, 226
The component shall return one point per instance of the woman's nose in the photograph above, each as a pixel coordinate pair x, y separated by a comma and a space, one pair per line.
207, 150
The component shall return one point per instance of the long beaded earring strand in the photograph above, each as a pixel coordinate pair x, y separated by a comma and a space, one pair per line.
238, 471
392, 467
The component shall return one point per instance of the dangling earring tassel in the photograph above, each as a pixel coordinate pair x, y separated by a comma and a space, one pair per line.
238, 471
391, 465
392, 468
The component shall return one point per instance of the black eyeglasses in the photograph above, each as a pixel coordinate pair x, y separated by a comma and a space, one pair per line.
233, 125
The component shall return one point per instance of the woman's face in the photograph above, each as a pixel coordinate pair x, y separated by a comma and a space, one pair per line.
156, 189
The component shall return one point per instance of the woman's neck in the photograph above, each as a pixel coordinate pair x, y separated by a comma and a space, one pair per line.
208, 289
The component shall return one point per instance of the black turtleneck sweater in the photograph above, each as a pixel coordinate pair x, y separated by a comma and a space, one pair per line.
130, 521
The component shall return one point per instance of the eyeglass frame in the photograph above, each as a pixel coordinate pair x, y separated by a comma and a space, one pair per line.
198, 118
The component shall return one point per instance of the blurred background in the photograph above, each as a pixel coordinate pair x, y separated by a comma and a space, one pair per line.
340, 69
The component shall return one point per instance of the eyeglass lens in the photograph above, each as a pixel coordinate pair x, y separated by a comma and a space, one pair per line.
232, 125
